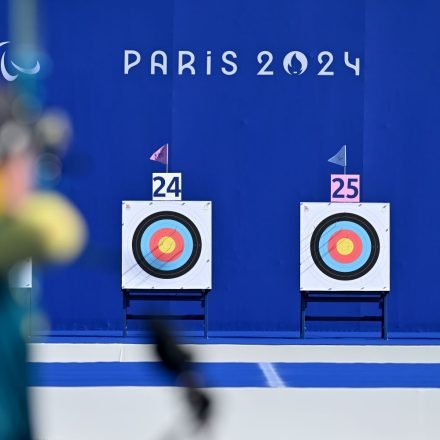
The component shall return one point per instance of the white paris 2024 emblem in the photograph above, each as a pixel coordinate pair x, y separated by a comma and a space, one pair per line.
10, 77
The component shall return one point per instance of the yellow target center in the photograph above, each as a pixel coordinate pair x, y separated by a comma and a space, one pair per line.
167, 245
344, 246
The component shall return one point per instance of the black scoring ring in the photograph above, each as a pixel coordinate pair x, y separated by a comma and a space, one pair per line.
174, 273
338, 275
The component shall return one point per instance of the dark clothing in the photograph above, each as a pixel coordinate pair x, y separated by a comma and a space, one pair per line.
14, 412
16, 243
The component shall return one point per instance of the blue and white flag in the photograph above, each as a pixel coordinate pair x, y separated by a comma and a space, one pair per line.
340, 158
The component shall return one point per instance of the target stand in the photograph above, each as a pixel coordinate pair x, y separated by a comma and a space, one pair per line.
380, 298
164, 295
166, 256
345, 258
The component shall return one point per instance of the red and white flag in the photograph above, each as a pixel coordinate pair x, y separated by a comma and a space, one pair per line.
161, 155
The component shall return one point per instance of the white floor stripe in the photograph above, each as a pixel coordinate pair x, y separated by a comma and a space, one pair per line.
273, 379
238, 353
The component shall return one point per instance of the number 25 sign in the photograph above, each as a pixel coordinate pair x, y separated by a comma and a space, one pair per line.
345, 187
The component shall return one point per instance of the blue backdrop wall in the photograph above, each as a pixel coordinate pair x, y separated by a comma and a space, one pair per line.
256, 145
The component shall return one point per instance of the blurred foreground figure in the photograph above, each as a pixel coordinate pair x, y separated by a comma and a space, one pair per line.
43, 226
179, 362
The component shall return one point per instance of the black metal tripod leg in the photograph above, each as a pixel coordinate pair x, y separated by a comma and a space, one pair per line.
205, 322
303, 315
384, 316
124, 312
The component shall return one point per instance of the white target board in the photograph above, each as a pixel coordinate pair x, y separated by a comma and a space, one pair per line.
20, 275
345, 247
166, 245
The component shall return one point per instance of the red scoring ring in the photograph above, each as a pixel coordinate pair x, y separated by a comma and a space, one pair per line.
154, 244
357, 243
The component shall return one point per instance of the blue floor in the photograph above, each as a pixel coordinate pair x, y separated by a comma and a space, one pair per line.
303, 375
313, 338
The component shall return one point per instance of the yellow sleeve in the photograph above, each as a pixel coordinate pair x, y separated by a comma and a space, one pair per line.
18, 242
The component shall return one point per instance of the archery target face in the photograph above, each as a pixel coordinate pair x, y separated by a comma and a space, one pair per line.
345, 247
166, 245
20, 275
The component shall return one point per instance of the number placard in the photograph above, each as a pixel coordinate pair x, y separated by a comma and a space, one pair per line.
345, 187
167, 186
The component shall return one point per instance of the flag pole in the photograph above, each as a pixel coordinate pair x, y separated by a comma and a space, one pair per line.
345, 163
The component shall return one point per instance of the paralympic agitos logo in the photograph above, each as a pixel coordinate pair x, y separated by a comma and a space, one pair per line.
11, 73
293, 63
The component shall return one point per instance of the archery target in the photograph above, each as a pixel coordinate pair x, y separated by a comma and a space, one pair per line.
20, 275
345, 247
166, 245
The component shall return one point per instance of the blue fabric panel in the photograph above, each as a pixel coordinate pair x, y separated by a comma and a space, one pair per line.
255, 145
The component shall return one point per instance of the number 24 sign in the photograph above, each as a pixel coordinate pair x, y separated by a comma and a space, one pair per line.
345, 187
167, 186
